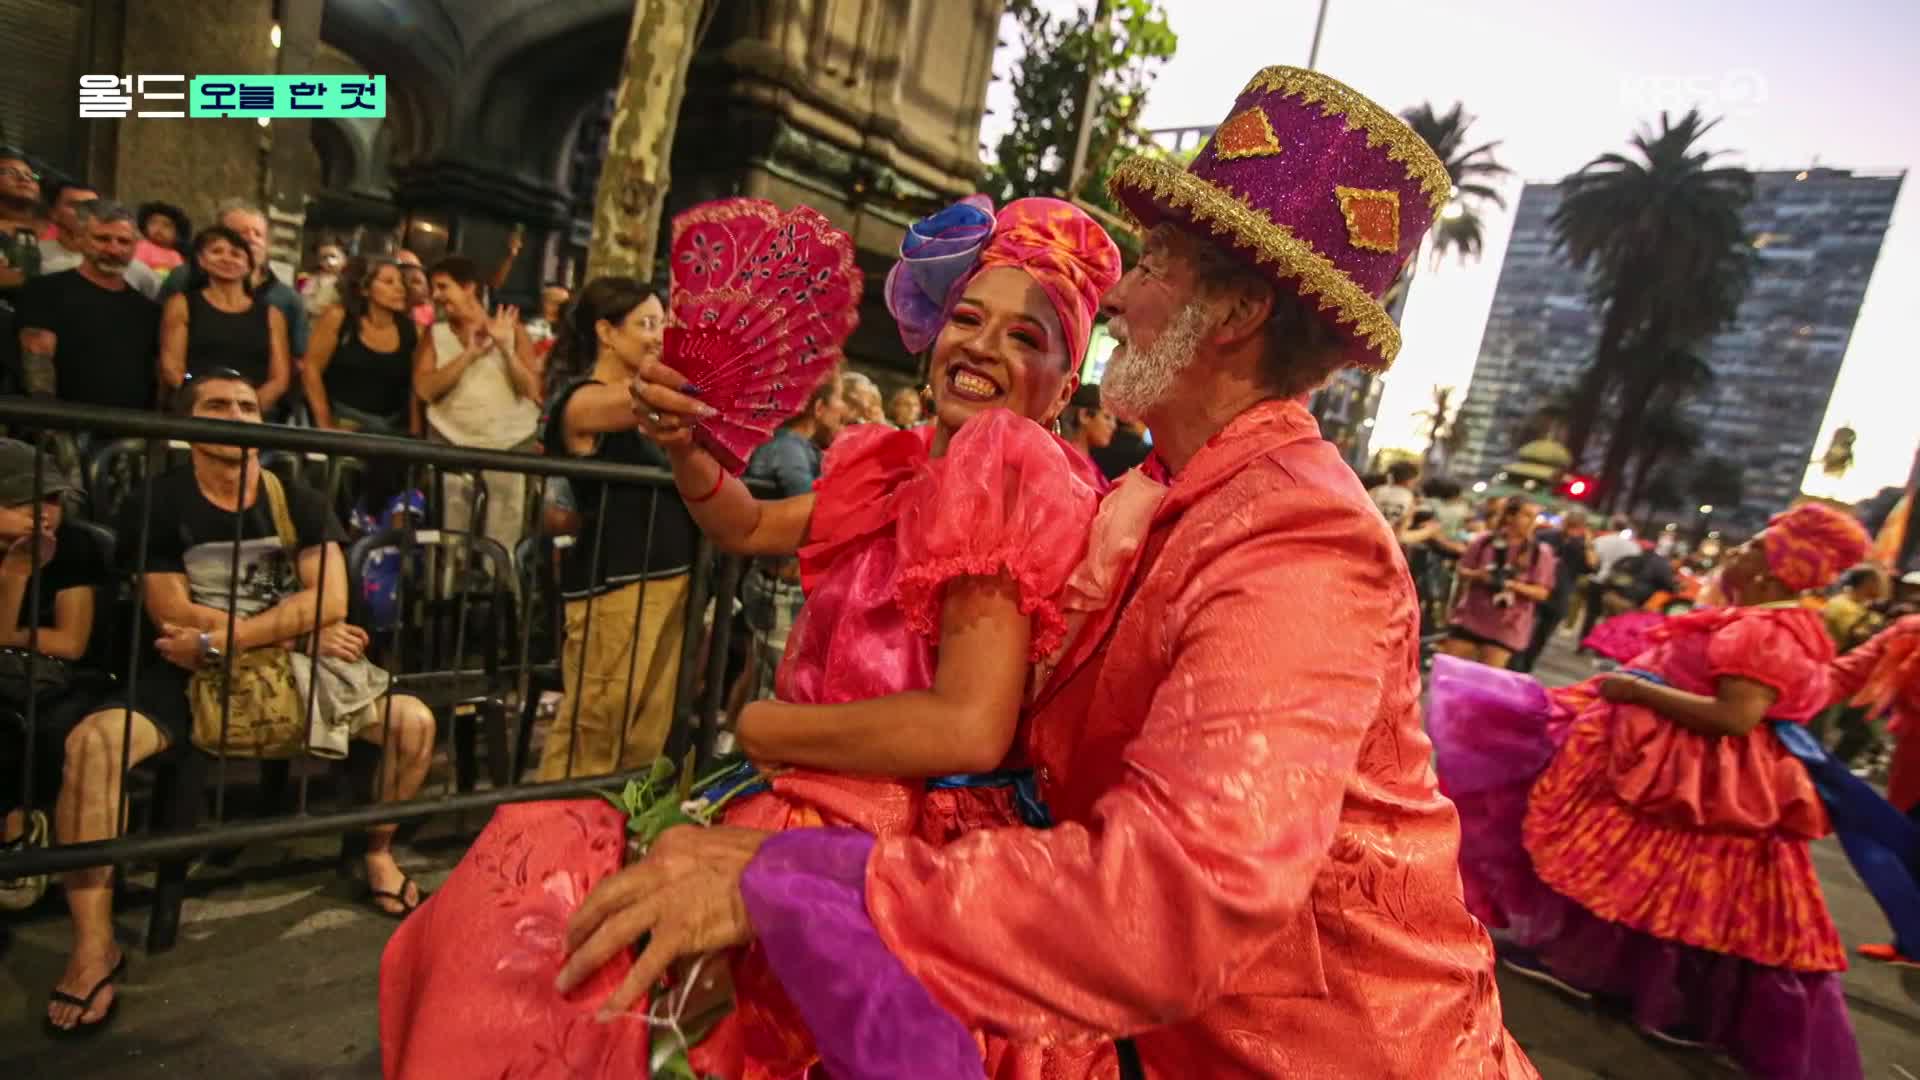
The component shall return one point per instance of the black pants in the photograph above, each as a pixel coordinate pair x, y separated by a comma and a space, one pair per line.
1545, 621
54, 717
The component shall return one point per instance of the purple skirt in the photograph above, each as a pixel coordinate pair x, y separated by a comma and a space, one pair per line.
1494, 733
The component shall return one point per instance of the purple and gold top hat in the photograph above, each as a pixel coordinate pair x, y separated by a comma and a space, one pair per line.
1316, 187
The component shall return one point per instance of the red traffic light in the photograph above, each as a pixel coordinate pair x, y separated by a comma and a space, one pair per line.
1577, 488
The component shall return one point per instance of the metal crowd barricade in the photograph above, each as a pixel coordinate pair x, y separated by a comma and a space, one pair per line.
437, 648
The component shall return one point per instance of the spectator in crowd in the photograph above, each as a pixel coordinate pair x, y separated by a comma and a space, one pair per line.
863, 399
419, 289
65, 572
358, 375
1573, 559
164, 231
73, 209
1128, 449
188, 586
1395, 498
481, 384
19, 221
86, 335
1852, 613
247, 220
218, 324
1507, 574
1616, 544
1450, 507
543, 330
320, 289
904, 408
626, 601
791, 462
1085, 424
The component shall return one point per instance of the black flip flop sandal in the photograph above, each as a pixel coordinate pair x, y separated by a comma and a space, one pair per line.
374, 896
83, 1029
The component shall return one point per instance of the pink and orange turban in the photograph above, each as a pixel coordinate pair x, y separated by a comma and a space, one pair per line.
1810, 545
1066, 252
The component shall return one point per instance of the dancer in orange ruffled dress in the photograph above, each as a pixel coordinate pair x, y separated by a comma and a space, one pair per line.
1645, 835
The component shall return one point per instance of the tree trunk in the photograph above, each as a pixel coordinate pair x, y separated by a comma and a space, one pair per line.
633, 181
1594, 384
1626, 432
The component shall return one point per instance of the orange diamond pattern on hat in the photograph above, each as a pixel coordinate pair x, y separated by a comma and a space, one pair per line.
1246, 134
1373, 217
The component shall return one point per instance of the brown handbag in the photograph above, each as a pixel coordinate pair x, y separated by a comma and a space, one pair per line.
264, 717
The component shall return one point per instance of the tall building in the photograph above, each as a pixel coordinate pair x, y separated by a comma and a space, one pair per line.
1816, 234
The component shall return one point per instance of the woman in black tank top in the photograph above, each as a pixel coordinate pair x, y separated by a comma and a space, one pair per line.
218, 323
358, 372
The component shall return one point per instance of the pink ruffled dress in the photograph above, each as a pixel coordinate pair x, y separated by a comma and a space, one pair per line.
466, 982
1644, 860
891, 527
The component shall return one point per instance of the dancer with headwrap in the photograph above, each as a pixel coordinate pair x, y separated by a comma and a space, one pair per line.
933, 560
1645, 835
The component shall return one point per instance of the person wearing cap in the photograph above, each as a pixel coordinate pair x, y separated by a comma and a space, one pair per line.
1085, 424
1665, 814
40, 553
1251, 870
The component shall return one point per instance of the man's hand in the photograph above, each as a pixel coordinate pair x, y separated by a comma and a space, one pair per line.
180, 646
683, 898
343, 642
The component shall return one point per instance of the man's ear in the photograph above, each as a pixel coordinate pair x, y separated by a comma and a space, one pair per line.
1245, 311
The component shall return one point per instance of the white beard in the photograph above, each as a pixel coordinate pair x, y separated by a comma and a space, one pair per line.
1137, 380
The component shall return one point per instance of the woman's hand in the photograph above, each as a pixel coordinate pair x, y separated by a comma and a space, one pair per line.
19, 561
503, 324
1620, 689
666, 410
343, 642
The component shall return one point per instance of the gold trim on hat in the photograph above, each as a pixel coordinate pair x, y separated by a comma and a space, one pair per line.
1232, 216
1382, 127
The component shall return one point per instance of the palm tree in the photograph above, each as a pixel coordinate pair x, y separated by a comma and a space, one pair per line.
1661, 237
1459, 226
1438, 419
1668, 439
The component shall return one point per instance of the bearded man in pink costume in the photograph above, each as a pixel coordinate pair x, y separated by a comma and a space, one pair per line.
1251, 872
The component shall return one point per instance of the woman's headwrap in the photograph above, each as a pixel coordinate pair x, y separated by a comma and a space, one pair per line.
1066, 252
1808, 546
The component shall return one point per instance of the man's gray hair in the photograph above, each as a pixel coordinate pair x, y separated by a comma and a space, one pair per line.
101, 212
238, 205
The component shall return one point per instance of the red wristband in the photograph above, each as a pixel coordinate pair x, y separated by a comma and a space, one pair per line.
717, 482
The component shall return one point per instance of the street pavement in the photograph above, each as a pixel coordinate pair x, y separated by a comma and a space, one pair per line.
276, 975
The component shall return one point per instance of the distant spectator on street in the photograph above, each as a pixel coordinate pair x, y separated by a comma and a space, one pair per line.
250, 223
1852, 613
1395, 498
481, 384
1573, 559
164, 232
1084, 423
359, 370
904, 408
217, 324
1127, 449
319, 287
1616, 544
543, 330
1507, 574
86, 335
863, 399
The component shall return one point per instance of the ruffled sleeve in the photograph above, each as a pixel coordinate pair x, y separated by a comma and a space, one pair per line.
860, 479
1006, 499
1787, 650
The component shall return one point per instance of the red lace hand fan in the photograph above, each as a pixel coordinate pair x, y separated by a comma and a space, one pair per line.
763, 300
